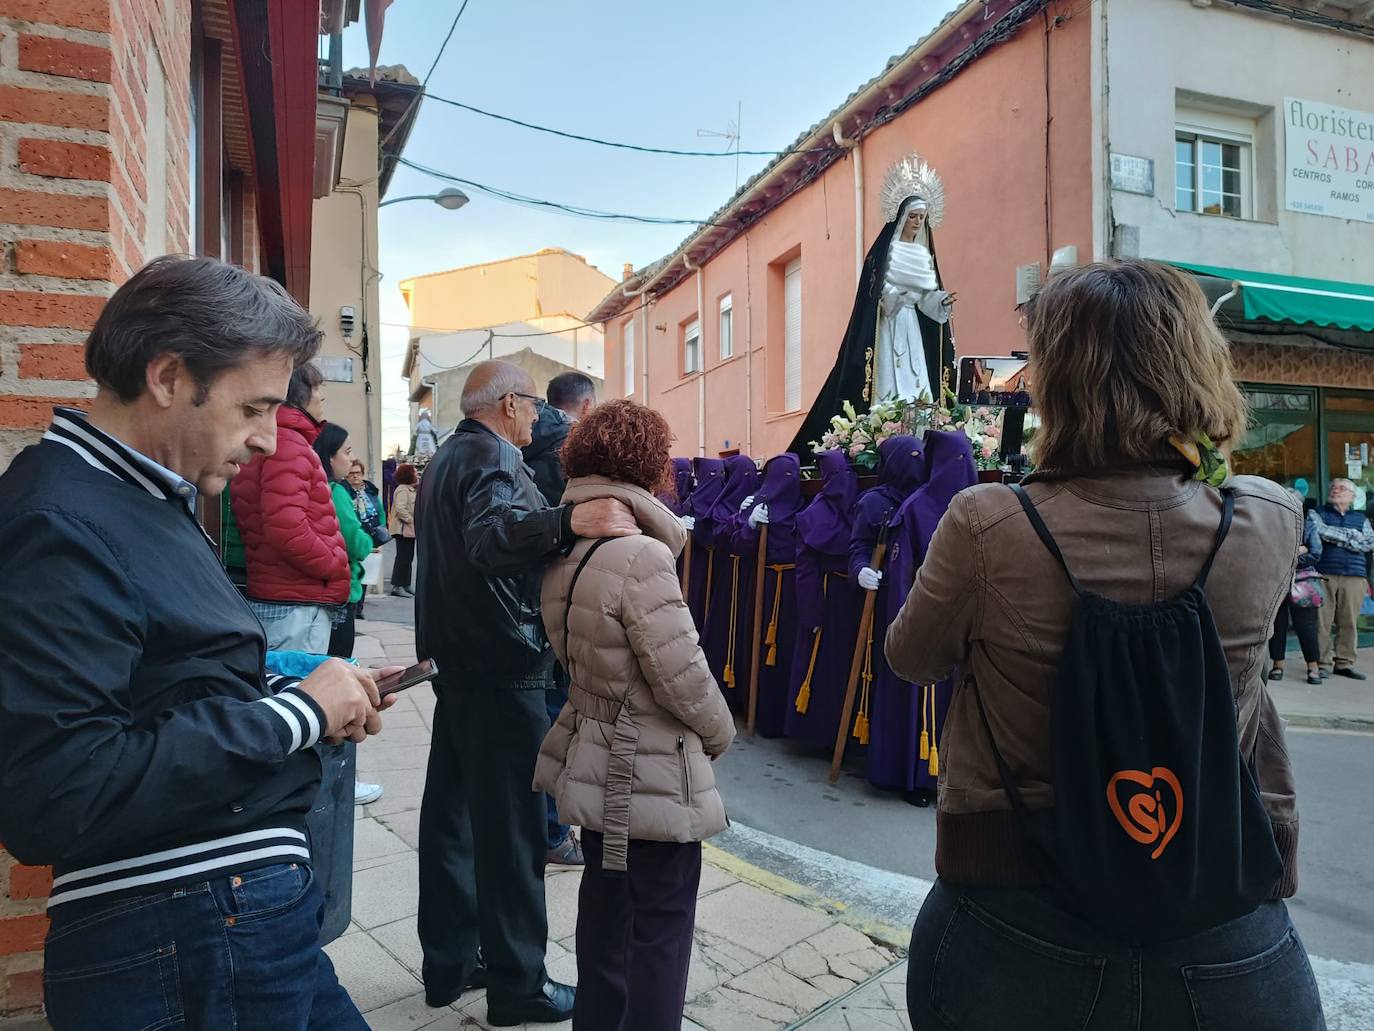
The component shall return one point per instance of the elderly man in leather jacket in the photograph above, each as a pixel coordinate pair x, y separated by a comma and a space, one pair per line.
485, 536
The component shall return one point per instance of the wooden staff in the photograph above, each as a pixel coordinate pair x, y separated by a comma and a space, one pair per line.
759, 571
860, 646
687, 570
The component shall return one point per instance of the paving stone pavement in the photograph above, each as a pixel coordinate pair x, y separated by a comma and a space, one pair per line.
760, 960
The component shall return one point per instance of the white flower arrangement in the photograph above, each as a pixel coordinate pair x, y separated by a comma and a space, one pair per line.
859, 436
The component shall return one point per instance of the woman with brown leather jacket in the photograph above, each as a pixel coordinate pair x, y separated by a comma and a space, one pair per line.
1133, 385
629, 760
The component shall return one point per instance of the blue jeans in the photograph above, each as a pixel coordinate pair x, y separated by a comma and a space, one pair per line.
1004, 958
330, 826
233, 954
554, 699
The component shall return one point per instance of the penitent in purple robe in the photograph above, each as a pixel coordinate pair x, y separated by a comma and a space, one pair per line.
709, 474
781, 492
906, 723
883, 696
676, 498
828, 605
729, 603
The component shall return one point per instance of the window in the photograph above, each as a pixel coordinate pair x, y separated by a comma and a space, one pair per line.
691, 347
727, 327
792, 346
1214, 162
627, 337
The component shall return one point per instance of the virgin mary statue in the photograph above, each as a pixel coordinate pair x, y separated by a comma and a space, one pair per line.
899, 342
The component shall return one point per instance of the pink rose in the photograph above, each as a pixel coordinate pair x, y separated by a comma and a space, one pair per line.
855, 450
989, 450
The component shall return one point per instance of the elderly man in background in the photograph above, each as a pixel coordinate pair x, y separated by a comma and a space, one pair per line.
571, 396
485, 536
1347, 541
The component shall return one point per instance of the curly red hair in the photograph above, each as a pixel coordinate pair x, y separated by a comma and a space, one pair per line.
624, 441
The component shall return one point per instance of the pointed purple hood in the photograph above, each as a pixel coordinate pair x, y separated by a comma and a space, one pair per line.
710, 481
902, 467
781, 487
826, 523
741, 480
682, 487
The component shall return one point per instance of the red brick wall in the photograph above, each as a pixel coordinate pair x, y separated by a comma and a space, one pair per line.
73, 194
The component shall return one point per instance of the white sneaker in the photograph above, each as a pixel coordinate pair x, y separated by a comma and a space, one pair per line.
365, 793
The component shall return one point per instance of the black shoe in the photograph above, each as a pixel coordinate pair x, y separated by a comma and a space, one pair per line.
1324, 674
921, 798
552, 1004
1314, 679
1276, 673
1351, 672
438, 998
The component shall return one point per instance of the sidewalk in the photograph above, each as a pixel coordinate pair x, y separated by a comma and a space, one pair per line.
1339, 703
766, 954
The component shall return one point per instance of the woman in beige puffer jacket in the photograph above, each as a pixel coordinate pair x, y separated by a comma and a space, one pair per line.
629, 759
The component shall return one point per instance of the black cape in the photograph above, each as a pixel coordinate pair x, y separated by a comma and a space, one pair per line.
851, 379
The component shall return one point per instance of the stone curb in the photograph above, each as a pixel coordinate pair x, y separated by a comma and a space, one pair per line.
1326, 721
887, 935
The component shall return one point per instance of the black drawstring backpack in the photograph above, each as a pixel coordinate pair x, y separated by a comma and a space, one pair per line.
1157, 830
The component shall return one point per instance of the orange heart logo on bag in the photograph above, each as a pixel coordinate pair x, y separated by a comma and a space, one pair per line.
1145, 817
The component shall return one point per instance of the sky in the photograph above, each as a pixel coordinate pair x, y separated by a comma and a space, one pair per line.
649, 74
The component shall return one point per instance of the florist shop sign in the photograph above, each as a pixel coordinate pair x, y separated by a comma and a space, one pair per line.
1330, 160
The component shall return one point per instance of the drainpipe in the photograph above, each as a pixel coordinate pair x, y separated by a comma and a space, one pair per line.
858, 155
644, 376
701, 355
748, 350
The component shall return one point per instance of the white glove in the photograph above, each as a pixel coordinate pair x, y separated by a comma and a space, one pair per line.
688, 523
759, 515
746, 502
870, 579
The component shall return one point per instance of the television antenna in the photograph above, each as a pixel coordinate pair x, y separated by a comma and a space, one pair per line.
731, 136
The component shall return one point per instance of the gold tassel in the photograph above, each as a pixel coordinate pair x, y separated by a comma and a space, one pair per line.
925, 736
861, 725
804, 694
734, 621
934, 765
772, 638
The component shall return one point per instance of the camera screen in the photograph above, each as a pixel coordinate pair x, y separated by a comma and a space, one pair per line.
999, 381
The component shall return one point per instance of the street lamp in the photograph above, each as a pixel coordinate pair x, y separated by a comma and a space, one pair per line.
450, 199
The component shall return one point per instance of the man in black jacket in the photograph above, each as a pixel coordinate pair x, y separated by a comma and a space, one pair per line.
485, 536
571, 396
144, 753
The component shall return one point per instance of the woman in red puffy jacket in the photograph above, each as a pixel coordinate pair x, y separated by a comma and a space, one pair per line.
297, 566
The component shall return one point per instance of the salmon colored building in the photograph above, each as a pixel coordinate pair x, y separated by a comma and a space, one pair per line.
1153, 129
971, 99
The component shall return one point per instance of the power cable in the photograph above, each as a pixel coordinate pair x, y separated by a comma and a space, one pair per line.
537, 202
623, 146
424, 83
511, 336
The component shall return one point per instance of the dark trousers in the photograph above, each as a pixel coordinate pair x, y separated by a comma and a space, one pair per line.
554, 699
482, 841
405, 557
634, 936
341, 636
233, 952
1048, 970
1305, 624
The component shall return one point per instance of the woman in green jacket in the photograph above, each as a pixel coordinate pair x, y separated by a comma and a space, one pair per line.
336, 454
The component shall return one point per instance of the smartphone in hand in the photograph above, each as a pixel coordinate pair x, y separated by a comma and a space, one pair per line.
407, 678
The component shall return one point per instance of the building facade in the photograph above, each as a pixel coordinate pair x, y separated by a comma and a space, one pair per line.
1054, 134
499, 309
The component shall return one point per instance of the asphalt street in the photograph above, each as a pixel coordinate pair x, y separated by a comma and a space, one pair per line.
780, 788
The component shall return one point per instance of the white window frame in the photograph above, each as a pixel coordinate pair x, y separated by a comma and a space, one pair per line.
792, 337
627, 347
691, 348
1215, 127
727, 327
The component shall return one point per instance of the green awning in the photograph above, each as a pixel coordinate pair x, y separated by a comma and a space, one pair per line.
1321, 302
